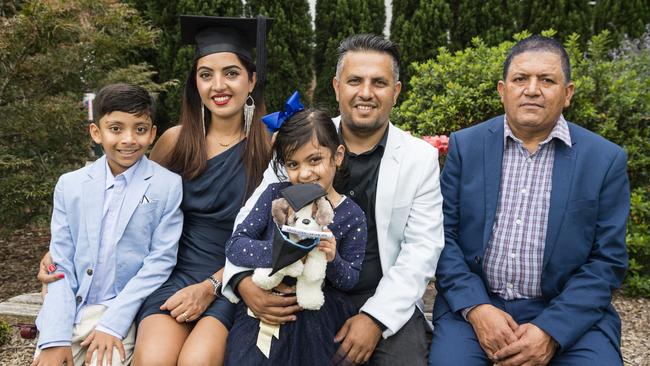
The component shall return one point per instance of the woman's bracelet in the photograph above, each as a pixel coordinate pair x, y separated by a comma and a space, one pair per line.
216, 285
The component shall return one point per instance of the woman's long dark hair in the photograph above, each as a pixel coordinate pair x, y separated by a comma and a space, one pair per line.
189, 158
299, 130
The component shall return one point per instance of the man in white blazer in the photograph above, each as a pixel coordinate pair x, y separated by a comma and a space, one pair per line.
394, 178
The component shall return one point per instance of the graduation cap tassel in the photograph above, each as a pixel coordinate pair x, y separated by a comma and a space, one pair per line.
261, 53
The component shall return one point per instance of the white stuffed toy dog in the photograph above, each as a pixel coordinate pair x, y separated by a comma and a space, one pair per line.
309, 271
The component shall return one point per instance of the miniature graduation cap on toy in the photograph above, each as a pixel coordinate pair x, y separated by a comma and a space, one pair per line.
222, 34
286, 251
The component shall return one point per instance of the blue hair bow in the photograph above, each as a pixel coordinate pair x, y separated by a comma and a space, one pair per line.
292, 106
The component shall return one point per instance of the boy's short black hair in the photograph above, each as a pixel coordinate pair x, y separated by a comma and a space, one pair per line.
127, 98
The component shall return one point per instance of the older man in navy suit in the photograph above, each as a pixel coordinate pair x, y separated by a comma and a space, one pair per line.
535, 211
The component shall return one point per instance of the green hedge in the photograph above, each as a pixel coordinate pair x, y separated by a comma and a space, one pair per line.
612, 98
50, 54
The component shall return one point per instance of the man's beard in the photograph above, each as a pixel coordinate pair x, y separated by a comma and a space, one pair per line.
362, 129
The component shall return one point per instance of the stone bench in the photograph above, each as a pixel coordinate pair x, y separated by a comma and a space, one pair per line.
21, 309
24, 308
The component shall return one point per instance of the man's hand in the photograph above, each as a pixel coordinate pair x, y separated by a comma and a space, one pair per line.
267, 307
359, 336
103, 343
494, 328
54, 356
47, 273
534, 347
188, 303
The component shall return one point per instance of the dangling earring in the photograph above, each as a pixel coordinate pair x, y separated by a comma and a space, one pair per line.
249, 110
203, 119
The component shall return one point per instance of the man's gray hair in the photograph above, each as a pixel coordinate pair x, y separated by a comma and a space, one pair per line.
537, 43
368, 42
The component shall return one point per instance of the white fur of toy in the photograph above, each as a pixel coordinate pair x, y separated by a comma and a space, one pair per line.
310, 274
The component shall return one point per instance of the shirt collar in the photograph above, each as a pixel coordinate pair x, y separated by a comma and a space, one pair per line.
381, 143
128, 174
560, 131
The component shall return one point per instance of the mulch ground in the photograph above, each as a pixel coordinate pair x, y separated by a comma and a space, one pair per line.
20, 254
22, 249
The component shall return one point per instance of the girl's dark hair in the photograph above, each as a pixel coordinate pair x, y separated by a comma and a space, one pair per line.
299, 130
188, 157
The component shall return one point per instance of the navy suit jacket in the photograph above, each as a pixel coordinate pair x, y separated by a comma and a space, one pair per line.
585, 256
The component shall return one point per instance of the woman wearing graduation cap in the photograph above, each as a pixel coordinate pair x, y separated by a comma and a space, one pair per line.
221, 150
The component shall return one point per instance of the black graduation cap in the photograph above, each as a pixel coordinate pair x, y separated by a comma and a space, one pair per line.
285, 251
299, 195
224, 34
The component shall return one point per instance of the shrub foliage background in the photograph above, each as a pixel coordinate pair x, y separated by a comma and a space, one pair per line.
50, 54
612, 98
289, 46
336, 20
420, 27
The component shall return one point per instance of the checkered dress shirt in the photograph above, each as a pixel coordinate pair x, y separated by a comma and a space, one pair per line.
515, 253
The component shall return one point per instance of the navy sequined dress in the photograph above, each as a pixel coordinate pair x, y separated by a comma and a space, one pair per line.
310, 339
210, 204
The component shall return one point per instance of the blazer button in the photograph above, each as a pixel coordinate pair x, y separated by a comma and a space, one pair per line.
89, 271
477, 259
79, 299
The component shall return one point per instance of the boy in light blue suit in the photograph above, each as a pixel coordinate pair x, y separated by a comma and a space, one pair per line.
115, 230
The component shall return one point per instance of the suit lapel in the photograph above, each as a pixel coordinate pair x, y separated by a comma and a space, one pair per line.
93, 203
563, 166
387, 185
134, 193
492, 161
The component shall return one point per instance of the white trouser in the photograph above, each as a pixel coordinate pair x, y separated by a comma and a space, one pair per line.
90, 316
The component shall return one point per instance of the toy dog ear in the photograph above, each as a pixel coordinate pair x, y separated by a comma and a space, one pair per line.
325, 213
280, 211
291, 216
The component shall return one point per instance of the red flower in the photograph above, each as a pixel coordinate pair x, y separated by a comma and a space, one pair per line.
440, 142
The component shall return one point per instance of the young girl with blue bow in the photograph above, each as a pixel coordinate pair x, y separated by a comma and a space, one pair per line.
307, 150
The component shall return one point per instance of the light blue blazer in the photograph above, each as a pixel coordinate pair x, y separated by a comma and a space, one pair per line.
147, 235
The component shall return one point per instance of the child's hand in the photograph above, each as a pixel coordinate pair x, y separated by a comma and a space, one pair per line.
54, 356
103, 343
328, 246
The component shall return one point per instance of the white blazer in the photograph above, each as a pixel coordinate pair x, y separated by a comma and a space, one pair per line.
408, 216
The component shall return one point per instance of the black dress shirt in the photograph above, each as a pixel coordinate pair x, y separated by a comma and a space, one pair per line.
361, 187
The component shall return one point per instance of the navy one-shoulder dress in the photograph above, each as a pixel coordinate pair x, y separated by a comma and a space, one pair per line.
210, 204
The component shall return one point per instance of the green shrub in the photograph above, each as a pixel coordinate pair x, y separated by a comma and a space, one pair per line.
335, 21
638, 243
453, 91
289, 46
612, 98
5, 333
50, 54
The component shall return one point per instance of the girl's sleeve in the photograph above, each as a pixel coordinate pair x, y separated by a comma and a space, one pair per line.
247, 246
343, 271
